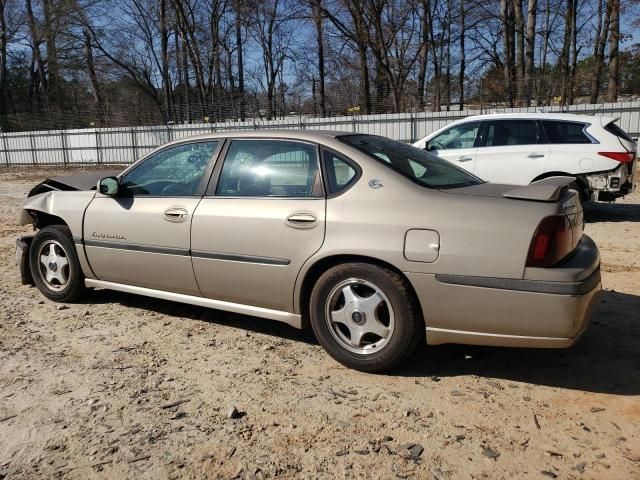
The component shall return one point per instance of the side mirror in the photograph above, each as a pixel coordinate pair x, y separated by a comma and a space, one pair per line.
108, 186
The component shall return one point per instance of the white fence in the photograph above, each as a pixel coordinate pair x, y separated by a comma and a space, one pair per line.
125, 145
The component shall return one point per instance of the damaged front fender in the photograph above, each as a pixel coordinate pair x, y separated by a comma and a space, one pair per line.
67, 206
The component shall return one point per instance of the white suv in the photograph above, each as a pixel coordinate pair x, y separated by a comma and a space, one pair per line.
520, 148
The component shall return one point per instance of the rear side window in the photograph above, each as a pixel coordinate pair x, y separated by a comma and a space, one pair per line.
500, 133
269, 168
565, 132
340, 173
618, 132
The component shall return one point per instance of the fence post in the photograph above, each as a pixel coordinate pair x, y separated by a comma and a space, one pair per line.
98, 147
4, 146
414, 132
65, 152
134, 145
32, 143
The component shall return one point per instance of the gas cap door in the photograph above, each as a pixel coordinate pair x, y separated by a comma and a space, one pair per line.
421, 245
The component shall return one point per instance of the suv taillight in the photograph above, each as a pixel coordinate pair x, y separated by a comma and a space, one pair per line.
623, 157
552, 241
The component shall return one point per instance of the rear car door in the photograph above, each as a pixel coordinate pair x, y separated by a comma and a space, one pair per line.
142, 235
512, 151
457, 144
261, 219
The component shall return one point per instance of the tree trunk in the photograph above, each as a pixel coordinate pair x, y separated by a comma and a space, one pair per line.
53, 74
530, 50
317, 18
38, 76
3, 67
238, 28
93, 77
574, 52
164, 54
566, 51
518, 23
600, 44
505, 14
463, 59
614, 42
423, 59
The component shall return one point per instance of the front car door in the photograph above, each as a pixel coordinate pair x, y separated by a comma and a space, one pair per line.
262, 218
142, 235
512, 151
457, 144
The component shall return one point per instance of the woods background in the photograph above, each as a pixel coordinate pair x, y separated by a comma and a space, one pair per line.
99, 63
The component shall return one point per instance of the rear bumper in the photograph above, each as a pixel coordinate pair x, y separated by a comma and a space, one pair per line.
535, 312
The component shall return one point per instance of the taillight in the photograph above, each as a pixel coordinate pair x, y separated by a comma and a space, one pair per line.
552, 241
624, 157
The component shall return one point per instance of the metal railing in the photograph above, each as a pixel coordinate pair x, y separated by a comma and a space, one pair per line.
117, 146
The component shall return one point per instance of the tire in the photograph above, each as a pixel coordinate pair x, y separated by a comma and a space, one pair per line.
338, 322
61, 279
583, 192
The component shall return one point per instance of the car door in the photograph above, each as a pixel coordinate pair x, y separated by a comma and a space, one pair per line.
141, 236
512, 151
262, 218
457, 144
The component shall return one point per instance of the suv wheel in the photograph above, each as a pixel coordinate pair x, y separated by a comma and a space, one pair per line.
365, 316
54, 264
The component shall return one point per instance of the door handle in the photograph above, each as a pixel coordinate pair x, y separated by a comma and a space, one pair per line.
176, 214
465, 159
302, 220
535, 155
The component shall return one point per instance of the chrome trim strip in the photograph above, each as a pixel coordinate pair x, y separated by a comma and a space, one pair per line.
278, 315
533, 286
239, 258
441, 336
137, 248
234, 257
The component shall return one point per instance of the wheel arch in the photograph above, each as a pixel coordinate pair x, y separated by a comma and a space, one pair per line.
314, 271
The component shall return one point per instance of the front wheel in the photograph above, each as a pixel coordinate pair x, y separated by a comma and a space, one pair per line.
54, 264
365, 316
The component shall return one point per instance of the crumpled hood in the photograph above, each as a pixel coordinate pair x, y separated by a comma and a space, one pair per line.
86, 181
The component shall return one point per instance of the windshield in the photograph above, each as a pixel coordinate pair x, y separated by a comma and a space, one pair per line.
417, 165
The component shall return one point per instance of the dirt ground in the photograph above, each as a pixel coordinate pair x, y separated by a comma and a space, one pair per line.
121, 386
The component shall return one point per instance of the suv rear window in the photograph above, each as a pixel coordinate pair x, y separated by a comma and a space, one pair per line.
618, 132
565, 132
417, 165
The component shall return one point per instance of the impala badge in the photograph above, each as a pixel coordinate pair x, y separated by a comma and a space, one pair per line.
375, 183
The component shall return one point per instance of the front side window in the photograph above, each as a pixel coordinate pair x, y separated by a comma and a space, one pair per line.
565, 132
174, 171
417, 165
501, 133
269, 168
340, 173
456, 137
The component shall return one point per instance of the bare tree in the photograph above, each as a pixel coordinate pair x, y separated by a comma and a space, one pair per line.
614, 43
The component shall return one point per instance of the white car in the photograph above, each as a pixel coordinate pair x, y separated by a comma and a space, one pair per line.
521, 148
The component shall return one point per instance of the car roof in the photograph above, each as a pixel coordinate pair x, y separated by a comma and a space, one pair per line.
543, 116
307, 135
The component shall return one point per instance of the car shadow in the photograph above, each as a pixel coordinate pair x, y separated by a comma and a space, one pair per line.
611, 212
194, 312
605, 359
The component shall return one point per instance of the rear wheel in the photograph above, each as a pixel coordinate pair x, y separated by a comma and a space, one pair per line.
54, 264
365, 316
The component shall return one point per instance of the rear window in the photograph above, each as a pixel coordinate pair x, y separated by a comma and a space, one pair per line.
565, 132
501, 133
618, 132
417, 165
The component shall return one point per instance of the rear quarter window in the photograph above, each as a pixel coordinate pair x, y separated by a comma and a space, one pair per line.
560, 132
